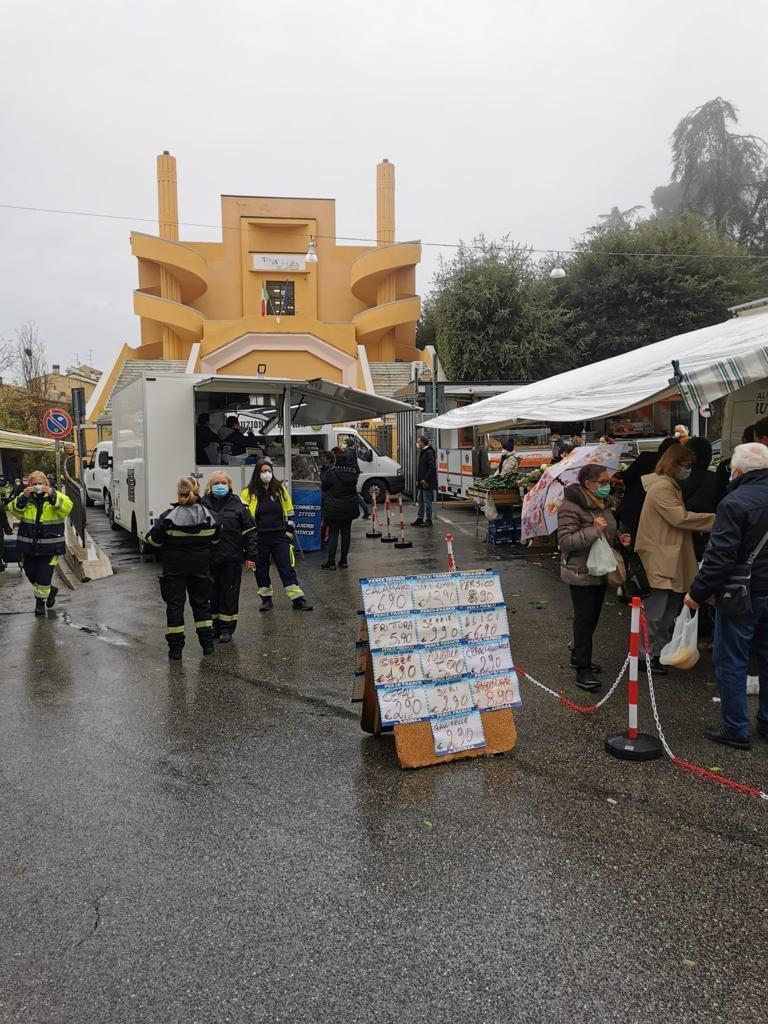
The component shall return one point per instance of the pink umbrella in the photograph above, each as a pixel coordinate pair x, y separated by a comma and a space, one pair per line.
541, 503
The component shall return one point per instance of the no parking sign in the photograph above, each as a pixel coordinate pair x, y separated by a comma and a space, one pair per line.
57, 424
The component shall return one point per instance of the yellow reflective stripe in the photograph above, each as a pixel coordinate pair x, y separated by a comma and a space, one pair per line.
186, 533
248, 529
205, 623
225, 618
265, 591
293, 556
41, 591
54, 560
293, 592
154, 543
174, 629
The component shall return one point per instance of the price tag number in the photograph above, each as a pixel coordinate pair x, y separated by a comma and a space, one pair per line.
428, 596
394, 669
444, 700
480, 590
460, 732
438, 629
442, 663
392, 633
486, 658
484, 625
498, 692
386, 600
402, 704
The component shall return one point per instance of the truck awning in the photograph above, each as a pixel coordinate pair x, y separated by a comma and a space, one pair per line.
314, 402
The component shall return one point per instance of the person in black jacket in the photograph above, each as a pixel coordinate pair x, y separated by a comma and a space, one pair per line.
740, 527
426, 477
206, 441
628, 512
340, 505
236, 547
700, 489
186, 533
723, 471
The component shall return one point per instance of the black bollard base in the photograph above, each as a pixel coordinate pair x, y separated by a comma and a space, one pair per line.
404, 544
389, 540
643, 748
373, 533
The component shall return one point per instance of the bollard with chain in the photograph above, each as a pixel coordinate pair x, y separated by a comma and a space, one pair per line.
633, 745
402, 543
389, 539
451, 559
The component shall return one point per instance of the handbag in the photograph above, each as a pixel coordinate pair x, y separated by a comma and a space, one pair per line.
618, 577
735, 598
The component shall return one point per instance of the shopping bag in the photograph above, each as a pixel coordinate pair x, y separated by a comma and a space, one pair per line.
682, 651
490, 511
601, 559
618, 577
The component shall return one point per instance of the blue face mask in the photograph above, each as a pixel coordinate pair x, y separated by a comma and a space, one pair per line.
603, 491
220, 490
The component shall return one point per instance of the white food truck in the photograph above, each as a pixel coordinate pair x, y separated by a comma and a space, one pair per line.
153, 436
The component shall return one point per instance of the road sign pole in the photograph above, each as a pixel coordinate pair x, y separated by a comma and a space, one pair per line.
58, 463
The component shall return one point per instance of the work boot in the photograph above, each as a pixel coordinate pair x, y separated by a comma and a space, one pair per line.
728, 739
597, 669
174, 653
224, 638
657, 668
39, 606
343, 565
762, 728
300, 605
208, 645
585, 680
52, 597
417, 522
266, 604
327, 565
429, 523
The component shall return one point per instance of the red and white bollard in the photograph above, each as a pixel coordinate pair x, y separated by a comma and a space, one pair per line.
633, 745
389, 539
402, 543
451, 559
374, 532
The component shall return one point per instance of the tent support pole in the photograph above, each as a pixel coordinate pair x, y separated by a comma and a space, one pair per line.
288, 475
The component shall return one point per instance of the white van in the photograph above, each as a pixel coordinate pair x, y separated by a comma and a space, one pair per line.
97, 476
153, 444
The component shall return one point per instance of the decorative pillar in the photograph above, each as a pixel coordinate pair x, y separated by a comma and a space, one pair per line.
385, 235
168, 225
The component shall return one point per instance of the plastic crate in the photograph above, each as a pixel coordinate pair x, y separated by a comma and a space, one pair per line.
10, 550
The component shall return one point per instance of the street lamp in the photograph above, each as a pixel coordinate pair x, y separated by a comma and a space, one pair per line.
311, 256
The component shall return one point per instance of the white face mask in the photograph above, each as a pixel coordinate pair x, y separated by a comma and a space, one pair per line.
38, 488
265, 477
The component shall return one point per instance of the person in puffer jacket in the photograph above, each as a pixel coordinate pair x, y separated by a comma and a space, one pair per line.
42, 511
340, 506
186, 533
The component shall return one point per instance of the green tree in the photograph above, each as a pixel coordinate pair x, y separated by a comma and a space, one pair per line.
492, 315
615, 299
722, 175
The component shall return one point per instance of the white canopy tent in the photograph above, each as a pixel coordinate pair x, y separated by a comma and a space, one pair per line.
28, 443
618, 385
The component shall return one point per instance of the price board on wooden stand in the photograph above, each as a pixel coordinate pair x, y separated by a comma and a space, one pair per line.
437, 665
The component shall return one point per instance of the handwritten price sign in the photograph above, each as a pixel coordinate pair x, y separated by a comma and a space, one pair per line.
484, 588
458, 732
389, 633
484, 625
386, 597
499, 691
403, 704
444, 700
435, 594
396, 669
442, 662
481, 659
438, 629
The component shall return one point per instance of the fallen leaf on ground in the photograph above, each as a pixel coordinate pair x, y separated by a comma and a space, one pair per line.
688, 963
714, 768
612, 801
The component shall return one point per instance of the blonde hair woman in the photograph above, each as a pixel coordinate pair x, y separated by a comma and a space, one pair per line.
236, 548
42, 511
185, 534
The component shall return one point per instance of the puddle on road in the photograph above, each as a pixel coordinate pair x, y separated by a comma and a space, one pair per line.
99, 631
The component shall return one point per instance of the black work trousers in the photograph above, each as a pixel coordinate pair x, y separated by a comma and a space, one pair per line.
587, 605
39, 570
175, 590
225, 596
274, 546
339, 528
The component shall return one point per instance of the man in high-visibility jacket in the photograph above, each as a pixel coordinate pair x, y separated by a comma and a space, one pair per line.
42, 511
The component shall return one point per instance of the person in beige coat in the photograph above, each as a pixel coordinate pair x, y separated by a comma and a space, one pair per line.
665, 543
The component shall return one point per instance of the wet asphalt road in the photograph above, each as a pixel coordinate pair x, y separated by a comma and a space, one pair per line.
219, 841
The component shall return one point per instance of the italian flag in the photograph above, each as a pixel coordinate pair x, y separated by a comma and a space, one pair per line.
264, 299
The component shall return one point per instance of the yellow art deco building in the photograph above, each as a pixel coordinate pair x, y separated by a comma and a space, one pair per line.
254, 303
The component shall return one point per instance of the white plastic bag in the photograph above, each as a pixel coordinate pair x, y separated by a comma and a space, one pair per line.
490, 511
601, 559
682, 651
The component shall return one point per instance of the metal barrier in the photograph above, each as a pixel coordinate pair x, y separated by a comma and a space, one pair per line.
380, 437
76, 492
407, 453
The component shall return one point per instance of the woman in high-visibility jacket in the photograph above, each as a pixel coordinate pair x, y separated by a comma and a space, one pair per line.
42, 511
271, 507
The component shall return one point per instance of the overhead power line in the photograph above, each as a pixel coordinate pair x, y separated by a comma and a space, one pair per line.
374, 241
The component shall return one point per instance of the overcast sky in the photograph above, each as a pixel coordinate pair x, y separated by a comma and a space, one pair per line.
502, 116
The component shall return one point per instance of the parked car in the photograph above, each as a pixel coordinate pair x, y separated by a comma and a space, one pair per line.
97, 476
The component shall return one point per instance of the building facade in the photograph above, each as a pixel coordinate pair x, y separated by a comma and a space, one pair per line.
258, 302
